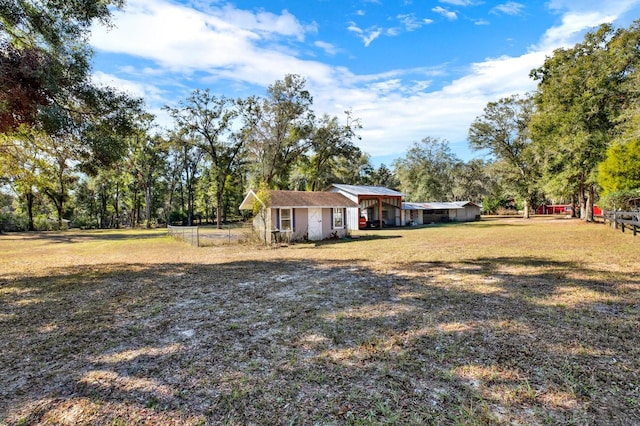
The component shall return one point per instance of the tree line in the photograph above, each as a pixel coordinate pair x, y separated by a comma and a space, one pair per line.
74, 151
574, 140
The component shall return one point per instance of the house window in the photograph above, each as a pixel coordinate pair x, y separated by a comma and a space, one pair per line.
285, 220
338, 219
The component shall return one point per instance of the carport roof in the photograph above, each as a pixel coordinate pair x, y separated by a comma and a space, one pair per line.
366, 190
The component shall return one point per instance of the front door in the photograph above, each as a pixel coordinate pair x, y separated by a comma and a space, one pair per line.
315, 224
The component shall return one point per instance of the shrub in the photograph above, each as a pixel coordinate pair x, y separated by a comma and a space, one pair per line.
621, 200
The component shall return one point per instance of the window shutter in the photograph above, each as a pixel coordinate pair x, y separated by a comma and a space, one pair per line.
277, 219
332, 218
293, 220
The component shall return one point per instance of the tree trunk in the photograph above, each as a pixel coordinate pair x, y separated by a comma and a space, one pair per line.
190, 206
582, 201
59, 212
116, 202
147, 206
589, 203
30, 197
219, 209
527, 213
103, 209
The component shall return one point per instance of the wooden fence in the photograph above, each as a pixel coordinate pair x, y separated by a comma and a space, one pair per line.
623, 220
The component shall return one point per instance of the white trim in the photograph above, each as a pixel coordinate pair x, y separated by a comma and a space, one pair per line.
337, 211
290, 219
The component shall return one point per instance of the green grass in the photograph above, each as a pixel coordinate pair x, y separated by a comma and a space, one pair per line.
496, 322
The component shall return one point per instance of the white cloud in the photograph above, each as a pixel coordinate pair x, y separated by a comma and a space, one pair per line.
445, 12
266, 23
368, 35
411, 22
579, 17
328, 48
461, 2
509, 8
150, 92
397, 107
572, 27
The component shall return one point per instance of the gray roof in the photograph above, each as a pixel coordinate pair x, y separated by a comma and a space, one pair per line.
448, 205
365, 190
413, 206
300, 199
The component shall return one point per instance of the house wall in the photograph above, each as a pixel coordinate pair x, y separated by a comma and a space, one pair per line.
353, 213
261, 227
327, 224
300, 226
411, 218
467, 214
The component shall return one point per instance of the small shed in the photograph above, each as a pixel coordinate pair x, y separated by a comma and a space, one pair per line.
434, 212
300, 215
376, 205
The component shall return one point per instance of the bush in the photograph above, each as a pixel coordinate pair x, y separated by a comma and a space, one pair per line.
85, 222
177, 217
621, 200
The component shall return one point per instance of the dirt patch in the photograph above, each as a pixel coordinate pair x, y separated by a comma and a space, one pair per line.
367, 332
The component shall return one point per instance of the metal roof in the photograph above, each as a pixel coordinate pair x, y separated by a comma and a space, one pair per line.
413, 206
449, 205
366, 190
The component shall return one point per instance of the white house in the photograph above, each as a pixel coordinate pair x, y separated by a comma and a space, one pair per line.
456, 211
300, 215
376, 206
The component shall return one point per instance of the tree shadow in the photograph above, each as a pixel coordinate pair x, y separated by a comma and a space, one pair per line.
76, 236
486, 340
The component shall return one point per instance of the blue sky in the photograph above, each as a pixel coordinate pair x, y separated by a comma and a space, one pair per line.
407, 68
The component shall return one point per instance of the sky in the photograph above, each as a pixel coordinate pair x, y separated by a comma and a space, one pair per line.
408, 69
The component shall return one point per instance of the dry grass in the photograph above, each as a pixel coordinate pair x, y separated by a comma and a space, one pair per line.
496, 322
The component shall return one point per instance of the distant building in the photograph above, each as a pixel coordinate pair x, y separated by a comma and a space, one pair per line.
435, 212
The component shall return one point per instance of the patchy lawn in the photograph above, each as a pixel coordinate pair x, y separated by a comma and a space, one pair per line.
496, 322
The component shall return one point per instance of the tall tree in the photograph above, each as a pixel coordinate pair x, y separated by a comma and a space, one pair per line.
620, 170
44, 57
353, 170
146, 160
20, 165
581, 94
383, 176
57, 170
503, 130
279, 129
426, 172
210, 120
188, 154
473, 181
330, 140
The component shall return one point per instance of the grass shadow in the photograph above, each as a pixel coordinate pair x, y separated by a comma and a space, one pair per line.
322, 341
